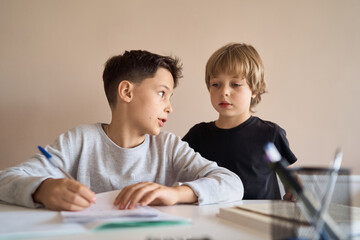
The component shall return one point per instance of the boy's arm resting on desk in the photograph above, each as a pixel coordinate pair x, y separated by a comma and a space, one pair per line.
217, 186
22, 184
17, 188
18, 184
150, 193
210, 183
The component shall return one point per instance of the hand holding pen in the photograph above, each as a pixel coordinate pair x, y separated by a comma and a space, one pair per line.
63, 194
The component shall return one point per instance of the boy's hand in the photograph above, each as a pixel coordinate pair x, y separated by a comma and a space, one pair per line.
149, 193
64, 194
289, 197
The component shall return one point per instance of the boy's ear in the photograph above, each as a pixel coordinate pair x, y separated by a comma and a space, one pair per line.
125, 91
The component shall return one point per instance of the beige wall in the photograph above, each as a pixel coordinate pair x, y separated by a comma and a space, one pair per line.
52, 54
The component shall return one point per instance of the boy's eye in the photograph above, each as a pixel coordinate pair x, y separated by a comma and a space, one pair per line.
214, 84
236, 84
162, 93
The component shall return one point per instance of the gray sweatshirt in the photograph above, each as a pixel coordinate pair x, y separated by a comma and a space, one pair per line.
94, 160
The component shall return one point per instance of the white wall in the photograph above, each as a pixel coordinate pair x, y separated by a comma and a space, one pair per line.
52, 55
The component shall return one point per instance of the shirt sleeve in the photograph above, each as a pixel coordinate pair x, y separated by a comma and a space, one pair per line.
282, 144
19, 183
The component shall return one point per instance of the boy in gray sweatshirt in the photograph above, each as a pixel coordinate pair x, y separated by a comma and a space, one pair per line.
129, 153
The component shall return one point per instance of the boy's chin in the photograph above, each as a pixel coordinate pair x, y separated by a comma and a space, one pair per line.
154, 132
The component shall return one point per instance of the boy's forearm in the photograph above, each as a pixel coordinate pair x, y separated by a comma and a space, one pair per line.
186, 194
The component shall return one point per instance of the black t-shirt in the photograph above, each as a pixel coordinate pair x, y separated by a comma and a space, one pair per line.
241, 150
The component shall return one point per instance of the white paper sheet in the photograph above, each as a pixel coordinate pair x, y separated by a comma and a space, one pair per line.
104, 213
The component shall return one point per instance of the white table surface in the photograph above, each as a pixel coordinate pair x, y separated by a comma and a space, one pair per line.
24, 223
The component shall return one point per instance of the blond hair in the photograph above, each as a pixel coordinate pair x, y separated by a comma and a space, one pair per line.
242, 60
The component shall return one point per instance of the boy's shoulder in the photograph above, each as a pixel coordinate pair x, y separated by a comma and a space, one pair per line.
203, 126
165, 140
263, 122
198, 131
257, 121
83, 130
163, 136
86, 127
266, 123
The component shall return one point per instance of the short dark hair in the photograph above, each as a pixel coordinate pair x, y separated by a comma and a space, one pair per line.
135, 66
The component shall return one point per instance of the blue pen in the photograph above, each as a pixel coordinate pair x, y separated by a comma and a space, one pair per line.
48, 157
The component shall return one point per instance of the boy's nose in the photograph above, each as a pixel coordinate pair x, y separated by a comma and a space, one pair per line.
225, 91
168, 108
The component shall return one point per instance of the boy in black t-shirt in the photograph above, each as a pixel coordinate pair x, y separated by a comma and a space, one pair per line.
235, 79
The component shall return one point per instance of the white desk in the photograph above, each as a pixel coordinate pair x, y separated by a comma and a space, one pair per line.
33, 223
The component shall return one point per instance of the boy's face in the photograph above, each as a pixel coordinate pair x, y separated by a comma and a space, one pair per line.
230, 96
151, 103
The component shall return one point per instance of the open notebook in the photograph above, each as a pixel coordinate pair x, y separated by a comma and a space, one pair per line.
104, 215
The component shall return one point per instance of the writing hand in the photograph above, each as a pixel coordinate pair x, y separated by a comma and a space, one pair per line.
64, 194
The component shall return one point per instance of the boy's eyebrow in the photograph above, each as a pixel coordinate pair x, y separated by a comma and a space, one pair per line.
232, 76
162, 85
165, 86
237, 76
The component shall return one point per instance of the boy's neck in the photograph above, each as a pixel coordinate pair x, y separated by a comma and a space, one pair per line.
123, 135
224, 122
